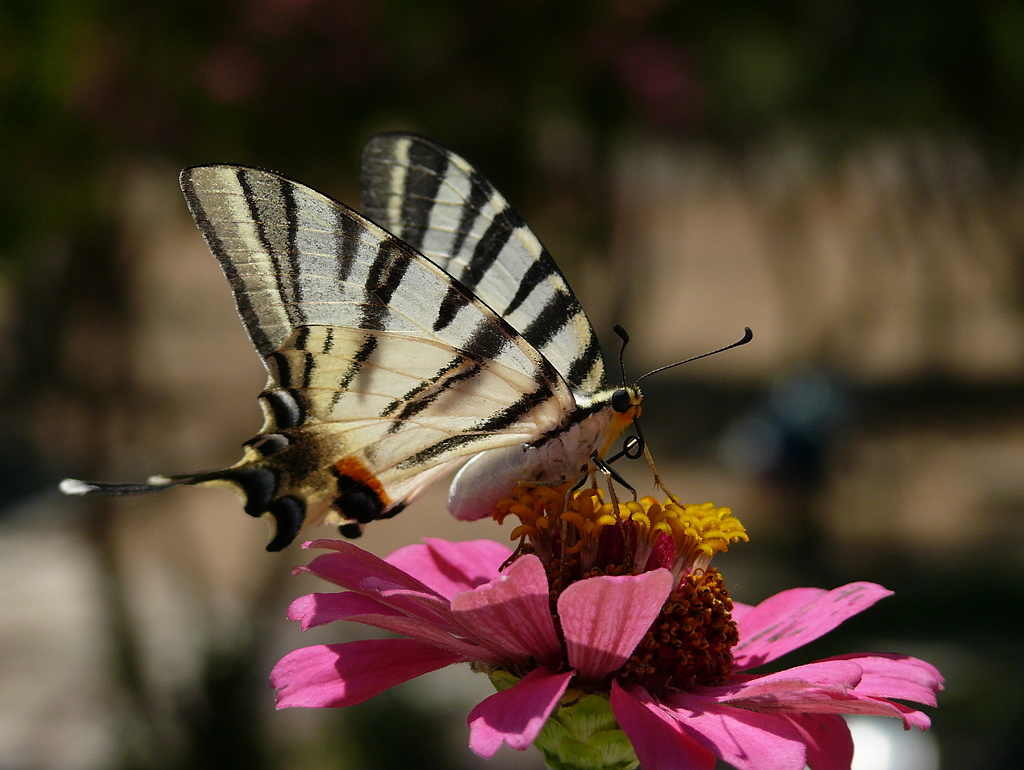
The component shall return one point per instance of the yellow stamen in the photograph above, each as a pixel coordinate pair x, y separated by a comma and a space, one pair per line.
580, 517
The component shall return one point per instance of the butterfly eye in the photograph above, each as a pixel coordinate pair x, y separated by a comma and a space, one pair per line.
621, 401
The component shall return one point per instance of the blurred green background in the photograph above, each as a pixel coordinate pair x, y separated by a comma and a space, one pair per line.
844, 177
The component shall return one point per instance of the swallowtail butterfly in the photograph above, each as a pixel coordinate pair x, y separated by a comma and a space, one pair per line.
432, 329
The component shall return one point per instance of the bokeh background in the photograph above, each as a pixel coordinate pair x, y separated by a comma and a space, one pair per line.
844, 177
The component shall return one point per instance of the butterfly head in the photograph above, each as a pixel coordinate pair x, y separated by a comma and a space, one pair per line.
624, 405
627, 403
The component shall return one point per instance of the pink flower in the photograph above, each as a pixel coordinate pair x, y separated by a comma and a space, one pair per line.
659, 648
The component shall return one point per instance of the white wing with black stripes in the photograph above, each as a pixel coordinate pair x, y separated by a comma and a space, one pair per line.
387, 368
437, 203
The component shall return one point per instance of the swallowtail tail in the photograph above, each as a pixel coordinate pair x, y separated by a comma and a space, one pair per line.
432, 329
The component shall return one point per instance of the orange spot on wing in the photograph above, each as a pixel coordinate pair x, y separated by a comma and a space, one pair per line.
352, 468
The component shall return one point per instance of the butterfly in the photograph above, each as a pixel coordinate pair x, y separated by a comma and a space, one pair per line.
432, 331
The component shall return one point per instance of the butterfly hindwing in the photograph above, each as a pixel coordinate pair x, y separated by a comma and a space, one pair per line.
414, 401
360, 453
437, 202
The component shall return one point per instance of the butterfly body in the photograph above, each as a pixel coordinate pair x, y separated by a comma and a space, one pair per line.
564, 455
398, 344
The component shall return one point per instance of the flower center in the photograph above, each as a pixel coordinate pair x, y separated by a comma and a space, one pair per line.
691, 641
578, 535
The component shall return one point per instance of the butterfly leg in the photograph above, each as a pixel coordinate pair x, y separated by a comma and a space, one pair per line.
632, 448
585, 474
625, 531
611, 475
514, 555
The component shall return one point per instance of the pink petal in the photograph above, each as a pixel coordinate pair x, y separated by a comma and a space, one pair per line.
604, 618
887, 675
469, 650
515, 716
317, 609
828, 740
851, 703
658, 740
837, 675
449, 568
360, 571
346, 674
793, 618
740, 610
352, 567
747, 740
314, 610
511, 615
432, 608
911, 717
824, 687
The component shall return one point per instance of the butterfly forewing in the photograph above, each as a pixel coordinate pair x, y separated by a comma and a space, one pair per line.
369, 397
388, 367
434, 200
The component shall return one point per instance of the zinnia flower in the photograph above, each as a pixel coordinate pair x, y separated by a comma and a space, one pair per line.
610, 639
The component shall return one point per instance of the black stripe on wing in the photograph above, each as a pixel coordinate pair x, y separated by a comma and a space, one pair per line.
385, 277
426, 393
486, 253
243, 301
538, 272
481, 431
480, 192
585, 363
469, 361
422, 181
489, 247
280, 246
454, 300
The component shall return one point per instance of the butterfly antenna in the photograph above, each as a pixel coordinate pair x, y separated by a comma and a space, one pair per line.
624, 336
747, 337
632, 446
